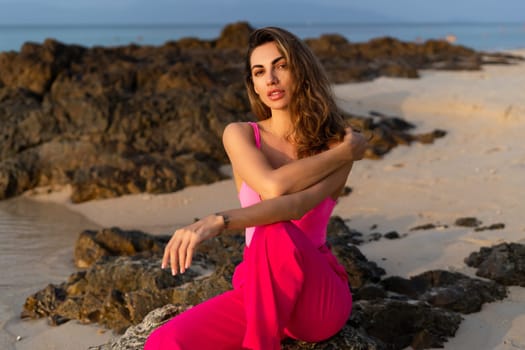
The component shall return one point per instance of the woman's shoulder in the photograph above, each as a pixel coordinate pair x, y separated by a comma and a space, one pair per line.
237, 127
238, 131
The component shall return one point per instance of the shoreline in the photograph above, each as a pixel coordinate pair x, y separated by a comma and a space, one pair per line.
476, 170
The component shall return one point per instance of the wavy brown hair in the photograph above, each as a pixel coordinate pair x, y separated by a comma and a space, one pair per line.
315, 117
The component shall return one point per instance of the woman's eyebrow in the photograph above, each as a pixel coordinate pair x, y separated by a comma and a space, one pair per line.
273, 62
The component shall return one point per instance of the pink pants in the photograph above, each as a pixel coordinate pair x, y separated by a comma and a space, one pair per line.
285, 287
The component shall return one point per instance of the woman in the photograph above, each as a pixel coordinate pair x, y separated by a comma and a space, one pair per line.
289, 169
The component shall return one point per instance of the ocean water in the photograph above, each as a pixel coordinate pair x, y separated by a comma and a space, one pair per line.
479, 36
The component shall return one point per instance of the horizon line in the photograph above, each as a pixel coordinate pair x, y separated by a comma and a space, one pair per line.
295, 23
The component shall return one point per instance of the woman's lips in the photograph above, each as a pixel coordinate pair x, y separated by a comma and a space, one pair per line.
275, 94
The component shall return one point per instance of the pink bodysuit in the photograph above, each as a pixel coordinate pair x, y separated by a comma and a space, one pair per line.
313, 223
289, 284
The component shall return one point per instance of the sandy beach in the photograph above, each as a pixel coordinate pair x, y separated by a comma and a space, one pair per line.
476, 170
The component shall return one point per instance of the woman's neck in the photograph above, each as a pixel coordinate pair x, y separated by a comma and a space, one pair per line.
280, 124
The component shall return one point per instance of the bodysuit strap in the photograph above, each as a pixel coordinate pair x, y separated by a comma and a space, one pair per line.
256, 133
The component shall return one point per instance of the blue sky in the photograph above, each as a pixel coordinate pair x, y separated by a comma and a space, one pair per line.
261, 11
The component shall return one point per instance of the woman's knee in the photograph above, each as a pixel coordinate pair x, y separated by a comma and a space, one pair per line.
154, 340
164, 337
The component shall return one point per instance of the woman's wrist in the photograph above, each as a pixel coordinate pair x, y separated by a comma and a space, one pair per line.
225, 220
344, 151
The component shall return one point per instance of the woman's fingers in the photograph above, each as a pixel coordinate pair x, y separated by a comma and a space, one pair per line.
183, 251
166, 256
178, 253
189, 255
174, 256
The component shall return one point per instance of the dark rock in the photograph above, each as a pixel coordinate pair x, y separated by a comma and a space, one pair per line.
468, 222
124, 281
392, 235
44, 302
503, 263
410, 288
385, 132
400, 324
423, 227
428, 138
392, 122
105, 293
370, 291
346, 61
91, 245
235, 36
449, 290
36, 66
339, 233
119, 120
429, 226
341, 239
498, 226
108, 130
359, 269
346, 191
374, 236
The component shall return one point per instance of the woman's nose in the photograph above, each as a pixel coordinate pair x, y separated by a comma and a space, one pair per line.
272, 78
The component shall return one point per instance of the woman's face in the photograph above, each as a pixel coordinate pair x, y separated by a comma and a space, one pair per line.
271, 76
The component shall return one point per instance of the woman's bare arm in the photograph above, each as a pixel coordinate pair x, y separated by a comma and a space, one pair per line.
253, 167
179, 251
287, 207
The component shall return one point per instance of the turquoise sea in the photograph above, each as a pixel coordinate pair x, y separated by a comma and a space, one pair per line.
480, 36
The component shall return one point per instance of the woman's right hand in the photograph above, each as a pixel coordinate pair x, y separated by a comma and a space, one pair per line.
355, 143
178, 253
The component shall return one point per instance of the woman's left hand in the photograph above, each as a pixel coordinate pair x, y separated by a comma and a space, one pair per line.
179, 251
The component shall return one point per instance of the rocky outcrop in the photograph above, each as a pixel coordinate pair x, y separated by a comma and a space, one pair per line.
449, 290
117, 120
503, 263
91, 246
386, 56
124, 288
124, 281
400, 324
120, 287
135, 336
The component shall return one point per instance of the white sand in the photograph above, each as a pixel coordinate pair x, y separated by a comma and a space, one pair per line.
478, 169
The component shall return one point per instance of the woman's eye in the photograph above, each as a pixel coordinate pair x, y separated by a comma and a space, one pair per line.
282, 66
257, 73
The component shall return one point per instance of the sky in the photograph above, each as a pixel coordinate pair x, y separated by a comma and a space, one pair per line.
25, 12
